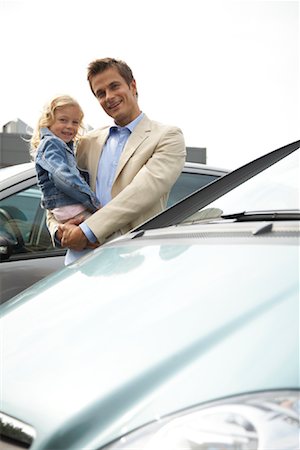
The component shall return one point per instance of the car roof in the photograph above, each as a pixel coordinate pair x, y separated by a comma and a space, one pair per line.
11, 175
15, 174
15, 178
205, 168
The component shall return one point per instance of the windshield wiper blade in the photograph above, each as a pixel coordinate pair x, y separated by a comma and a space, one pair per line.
245, 216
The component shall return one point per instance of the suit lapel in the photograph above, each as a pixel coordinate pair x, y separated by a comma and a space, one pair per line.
139, 134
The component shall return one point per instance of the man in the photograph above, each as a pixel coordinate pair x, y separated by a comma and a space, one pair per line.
132, 165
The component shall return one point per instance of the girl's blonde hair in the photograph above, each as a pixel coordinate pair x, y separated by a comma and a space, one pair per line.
48, 118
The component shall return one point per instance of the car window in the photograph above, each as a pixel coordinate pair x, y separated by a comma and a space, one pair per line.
274, 189
188, 183
23, 223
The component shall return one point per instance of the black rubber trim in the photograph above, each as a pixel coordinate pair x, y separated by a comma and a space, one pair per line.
204, 196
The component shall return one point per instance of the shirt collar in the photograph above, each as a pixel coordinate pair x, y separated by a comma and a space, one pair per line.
130, 126
134, 123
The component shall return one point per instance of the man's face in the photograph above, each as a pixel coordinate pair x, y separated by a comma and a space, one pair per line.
115, 96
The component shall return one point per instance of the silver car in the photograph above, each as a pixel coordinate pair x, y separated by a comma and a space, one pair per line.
183, 337
26, 252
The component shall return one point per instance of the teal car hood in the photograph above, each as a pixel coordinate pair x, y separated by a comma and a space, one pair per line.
141, 330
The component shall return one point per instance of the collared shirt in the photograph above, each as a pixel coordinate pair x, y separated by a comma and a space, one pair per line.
109, 160
108, 163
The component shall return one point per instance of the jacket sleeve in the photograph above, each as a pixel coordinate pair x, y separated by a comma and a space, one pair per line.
153, 181
68, 180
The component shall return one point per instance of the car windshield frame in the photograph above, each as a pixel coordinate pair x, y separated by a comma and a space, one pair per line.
205, 196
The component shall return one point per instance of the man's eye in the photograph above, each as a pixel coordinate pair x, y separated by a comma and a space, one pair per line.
100, 94
75, 122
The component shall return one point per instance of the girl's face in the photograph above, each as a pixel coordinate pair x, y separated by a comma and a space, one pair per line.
67, 120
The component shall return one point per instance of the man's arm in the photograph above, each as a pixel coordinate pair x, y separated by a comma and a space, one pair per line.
153, 181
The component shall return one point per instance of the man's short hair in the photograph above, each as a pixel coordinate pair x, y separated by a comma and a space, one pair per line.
100, 65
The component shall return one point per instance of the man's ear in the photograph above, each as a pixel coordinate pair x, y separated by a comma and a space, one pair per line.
133, 87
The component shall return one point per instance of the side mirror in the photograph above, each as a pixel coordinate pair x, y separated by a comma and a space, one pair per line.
5, 249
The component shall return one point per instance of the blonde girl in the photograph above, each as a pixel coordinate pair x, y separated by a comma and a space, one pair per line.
65, 192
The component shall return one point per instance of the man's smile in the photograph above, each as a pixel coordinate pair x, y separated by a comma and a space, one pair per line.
114, 105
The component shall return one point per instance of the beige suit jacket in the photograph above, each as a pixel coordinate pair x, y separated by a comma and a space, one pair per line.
150, 163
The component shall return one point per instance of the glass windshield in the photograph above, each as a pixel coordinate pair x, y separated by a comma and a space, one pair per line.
274, 189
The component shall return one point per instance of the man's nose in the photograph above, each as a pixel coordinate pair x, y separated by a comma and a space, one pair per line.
109, 96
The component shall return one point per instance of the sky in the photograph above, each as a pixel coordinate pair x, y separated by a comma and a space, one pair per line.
226, 72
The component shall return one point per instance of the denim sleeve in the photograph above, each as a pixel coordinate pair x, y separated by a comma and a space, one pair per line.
66, 177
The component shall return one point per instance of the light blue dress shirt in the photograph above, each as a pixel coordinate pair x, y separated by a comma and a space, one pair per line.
108, 163
109, 160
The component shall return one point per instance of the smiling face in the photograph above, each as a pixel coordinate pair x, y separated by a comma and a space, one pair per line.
117, 98
66, 123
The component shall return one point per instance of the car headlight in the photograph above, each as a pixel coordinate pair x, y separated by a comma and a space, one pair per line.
263, 421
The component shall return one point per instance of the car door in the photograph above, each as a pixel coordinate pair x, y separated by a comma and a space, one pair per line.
27, 254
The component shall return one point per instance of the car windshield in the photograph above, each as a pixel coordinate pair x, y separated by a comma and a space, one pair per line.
274, 189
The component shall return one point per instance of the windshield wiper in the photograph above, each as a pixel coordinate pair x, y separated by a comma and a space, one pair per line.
246, 216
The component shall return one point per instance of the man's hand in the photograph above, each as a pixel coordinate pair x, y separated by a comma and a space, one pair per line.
73, 237
59, 232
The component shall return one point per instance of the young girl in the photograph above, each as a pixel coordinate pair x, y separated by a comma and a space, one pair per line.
64, 190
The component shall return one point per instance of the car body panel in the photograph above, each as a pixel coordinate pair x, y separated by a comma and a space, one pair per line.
16, 279
111, 359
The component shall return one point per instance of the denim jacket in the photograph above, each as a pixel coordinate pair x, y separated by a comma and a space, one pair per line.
59, 178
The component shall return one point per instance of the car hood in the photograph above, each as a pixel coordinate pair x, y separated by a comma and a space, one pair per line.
147, 327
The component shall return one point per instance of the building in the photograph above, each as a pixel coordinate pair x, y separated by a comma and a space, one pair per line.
14, 143
196, 154
15, 148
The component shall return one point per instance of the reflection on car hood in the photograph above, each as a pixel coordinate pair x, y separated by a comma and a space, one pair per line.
149, 326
